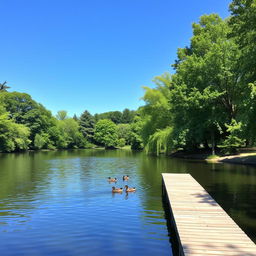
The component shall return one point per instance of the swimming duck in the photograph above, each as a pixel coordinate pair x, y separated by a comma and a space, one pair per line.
126, 177
112, 179
127, 189
117, 190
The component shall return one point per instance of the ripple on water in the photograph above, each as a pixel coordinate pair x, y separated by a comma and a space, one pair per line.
67, 208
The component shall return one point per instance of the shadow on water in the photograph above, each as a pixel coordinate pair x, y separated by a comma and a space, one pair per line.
172, 232
53, 192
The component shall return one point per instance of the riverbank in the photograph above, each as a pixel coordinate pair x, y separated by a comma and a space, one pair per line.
247, 157
242, 158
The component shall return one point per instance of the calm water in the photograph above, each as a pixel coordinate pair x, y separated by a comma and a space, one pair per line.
60, 203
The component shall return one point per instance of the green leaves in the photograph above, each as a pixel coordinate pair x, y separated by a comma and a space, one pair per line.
13, 137
233, 141
106, 133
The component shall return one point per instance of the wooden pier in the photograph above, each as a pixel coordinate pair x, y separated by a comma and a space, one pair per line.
202, 227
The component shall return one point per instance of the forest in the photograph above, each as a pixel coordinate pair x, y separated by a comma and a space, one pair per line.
206, 103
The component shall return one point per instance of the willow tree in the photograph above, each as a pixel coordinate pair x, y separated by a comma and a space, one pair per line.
156, 114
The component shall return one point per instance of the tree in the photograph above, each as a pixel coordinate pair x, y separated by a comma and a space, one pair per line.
114, 116
206, 92
124, 132
13, 137
24, 110
160, 142
70, 133
156, 112
233, 141
105, 133
127, 116
62, 115
41, 140
242, 21
87, 123
75, 117
4, 87
135, 136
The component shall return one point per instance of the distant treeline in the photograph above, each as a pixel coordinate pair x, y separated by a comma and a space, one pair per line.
208, 103
26, 124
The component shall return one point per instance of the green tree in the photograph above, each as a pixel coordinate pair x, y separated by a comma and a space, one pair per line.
105, 133
41, 140
114, 116
135, 135
233, 141
71, 135
206, 92
24, 110
13, 137
121, 142
4, 87
87, 123
156, 112
124, 132
62, 115
242, 21
127, 116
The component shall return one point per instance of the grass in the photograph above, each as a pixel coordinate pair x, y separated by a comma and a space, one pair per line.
212, 157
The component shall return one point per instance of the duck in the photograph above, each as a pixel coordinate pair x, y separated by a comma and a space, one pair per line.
127, 189
117, 190
126, 177
112, 179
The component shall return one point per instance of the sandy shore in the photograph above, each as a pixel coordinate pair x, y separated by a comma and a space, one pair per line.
243, 158
248, 157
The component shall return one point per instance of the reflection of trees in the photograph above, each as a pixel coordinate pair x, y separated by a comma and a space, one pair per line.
232, 186
20, 176
24, 177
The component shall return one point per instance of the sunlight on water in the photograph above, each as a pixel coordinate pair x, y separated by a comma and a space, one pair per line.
60, 203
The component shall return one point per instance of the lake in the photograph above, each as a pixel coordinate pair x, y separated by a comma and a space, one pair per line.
60, 202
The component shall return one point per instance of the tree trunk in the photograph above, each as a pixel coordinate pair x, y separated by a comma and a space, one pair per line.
213, 142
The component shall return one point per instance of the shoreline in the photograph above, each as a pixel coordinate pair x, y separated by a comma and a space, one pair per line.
241, 158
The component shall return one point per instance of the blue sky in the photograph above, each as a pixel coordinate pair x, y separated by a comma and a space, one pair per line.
95, 55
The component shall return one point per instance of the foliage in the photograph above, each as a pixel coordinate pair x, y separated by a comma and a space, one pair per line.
160, 142
87, 123
13, 137
135, 135
233, 141
127, 116
116, 116
242, 22
156, 112
41, 141
71, 135
208, 102
3, 87
206, 91
105, 133
62, 115
24, 110
124, 132
121, 142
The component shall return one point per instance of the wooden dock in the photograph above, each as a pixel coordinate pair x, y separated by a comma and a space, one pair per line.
202, 227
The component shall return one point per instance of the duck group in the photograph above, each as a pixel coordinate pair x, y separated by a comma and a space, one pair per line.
120, 190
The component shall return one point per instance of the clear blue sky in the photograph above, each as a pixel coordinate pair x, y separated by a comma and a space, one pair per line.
95, 55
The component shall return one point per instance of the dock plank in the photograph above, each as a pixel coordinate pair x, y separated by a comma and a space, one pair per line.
202, 226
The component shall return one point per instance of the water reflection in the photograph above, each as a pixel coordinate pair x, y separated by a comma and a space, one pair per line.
60, 203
